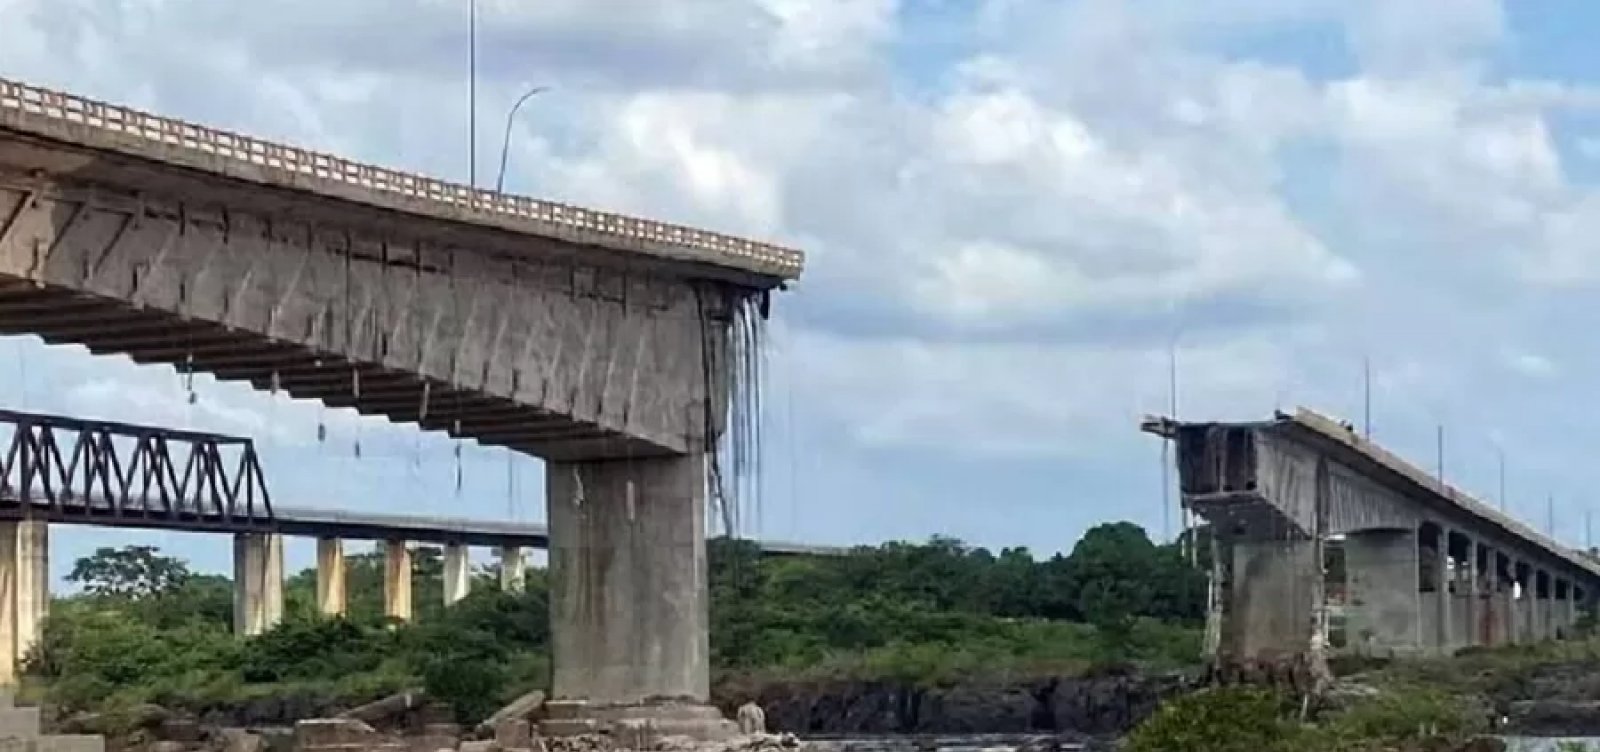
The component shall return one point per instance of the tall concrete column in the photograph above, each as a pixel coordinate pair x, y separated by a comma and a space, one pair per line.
628, 595
10, 665
1524, 611
257, 582
1385, 606
1441, 580
397, 580
513, 569
1475, 631
457, 573
332, 600
1271, 600
33, 583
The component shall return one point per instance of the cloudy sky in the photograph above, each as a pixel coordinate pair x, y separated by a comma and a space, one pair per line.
1012, 209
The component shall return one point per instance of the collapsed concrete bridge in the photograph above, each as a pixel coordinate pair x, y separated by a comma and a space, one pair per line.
1326, 543
618, 349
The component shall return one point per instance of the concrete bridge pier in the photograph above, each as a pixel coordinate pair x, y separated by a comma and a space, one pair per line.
513, 569
457, 573
397, 580
628, 600
1381, 568
24, 592
332, 598
257, 582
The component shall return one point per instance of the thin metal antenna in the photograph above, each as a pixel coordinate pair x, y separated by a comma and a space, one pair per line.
1440, 446
1366, 397
1500, 455
472, 95
1166, 449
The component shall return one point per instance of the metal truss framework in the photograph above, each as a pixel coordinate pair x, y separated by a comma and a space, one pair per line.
100, 472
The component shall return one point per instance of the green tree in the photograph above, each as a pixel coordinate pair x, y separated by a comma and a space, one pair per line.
128, 572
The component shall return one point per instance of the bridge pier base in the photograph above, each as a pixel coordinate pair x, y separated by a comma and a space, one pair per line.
397, 580
628, 596
257, 583
457, 573
332, 599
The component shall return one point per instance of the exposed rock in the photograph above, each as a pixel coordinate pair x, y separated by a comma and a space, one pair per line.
1106, 704
1555, 717
514, 733
180, 729
487, 745
387, 708
238, 740
166, 745
336, 733
527, 707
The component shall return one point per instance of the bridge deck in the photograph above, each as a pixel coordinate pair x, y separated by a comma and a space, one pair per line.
98, 125
1413, 483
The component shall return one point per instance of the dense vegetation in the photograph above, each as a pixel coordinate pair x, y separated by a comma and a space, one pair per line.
144, 628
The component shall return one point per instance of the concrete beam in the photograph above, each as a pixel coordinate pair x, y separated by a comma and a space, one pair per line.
332, 599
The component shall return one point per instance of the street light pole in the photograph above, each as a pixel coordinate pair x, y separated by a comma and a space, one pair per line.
472, 94
505, 145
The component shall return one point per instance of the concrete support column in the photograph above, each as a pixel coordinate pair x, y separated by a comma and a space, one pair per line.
332, 599
257, 583
457, 573
1476, 634
513, 569
1525, 581
1385, 606
33, 583
397, 580
628, 594
24, 592
1441, 578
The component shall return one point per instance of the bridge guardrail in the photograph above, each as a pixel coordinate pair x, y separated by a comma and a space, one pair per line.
35, 100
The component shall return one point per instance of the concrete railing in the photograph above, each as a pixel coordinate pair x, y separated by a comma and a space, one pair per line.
629, 231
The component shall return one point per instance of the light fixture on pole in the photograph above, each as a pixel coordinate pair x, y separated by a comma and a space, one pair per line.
505, 144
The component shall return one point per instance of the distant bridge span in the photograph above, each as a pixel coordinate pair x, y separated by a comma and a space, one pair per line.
1427, 568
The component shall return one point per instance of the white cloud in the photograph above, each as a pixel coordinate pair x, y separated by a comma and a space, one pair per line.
1531, 365
1075, 162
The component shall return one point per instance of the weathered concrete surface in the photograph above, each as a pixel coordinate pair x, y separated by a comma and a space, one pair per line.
1270, 487
457, 573
397, 580
332, 600
257, 582
1384, 608
24, 592
1273, 591
628, 599
565, 333
484, 337
513, 569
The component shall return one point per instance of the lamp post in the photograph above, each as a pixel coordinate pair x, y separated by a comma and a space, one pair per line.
505, 145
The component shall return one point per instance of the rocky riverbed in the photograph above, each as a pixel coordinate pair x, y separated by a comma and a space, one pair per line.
1108, 704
